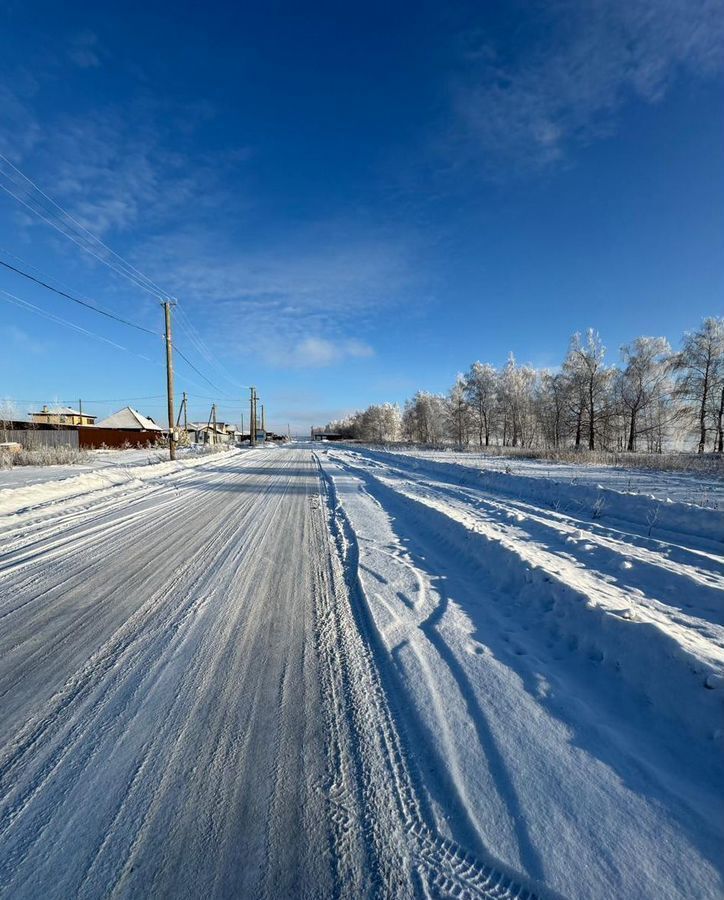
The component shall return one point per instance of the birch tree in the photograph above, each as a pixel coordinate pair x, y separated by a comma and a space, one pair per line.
643, 383
458, 412
700, 366
591, 379
481, 393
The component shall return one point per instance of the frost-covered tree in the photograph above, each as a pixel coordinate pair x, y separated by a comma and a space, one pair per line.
8, 414
517, 385
458, 412
377, 424
587, 402
551, 407
590, 382
700, 366
347, 427
718, 412
643, 385
410, 428
481, 393
424, 418
381, 423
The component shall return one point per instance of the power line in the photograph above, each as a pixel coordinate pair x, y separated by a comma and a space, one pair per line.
189, 363
25, 304
74, 239
85, 400
82, 237
203, 348
225, 403
126, 269
39, 273
97, 309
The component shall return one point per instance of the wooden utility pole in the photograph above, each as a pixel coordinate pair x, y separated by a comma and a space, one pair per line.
80, 410
208, 425
169, 380
252, 417
216, 433
182, 412
263, 419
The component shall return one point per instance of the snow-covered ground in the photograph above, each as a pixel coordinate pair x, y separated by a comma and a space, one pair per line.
333, 672
560, 651
19, 476
687, 487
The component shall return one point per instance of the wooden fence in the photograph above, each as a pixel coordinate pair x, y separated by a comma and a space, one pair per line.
34, 438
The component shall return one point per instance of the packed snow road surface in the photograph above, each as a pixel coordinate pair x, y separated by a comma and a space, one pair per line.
188, 706
284, 673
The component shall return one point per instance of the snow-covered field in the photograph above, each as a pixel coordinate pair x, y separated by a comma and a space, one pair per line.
343, 672
687, 487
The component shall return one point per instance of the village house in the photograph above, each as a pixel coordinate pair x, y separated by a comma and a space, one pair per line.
129, 419
61, 415
203, 433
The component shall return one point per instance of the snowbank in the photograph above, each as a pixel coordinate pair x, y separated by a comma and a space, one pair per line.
19, 499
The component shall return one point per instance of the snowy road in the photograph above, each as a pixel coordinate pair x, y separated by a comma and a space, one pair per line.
188, 706
282, 673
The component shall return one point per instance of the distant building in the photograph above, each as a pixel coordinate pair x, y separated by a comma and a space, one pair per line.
322, 434
203, 433
61, 415
129, 419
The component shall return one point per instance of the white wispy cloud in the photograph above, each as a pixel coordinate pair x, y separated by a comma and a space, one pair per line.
20, 130
84, 50
303, 299
317, 352
566, 90
118, 169
20, 339
299, 302
115, 175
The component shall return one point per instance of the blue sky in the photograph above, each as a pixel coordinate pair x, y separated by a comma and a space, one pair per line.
353, 201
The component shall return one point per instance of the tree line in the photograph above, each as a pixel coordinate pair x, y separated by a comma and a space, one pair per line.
656, 398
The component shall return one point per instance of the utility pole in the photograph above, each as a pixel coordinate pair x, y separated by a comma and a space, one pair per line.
252, 417
80, 410
186, 413
216, 435
182, 412
263, 419
208, 425
169, 380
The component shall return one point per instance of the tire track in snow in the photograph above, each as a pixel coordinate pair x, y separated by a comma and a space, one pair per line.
443, 866
473, 561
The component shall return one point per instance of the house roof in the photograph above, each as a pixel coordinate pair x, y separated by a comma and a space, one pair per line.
63, 411
129, 418
204, 426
